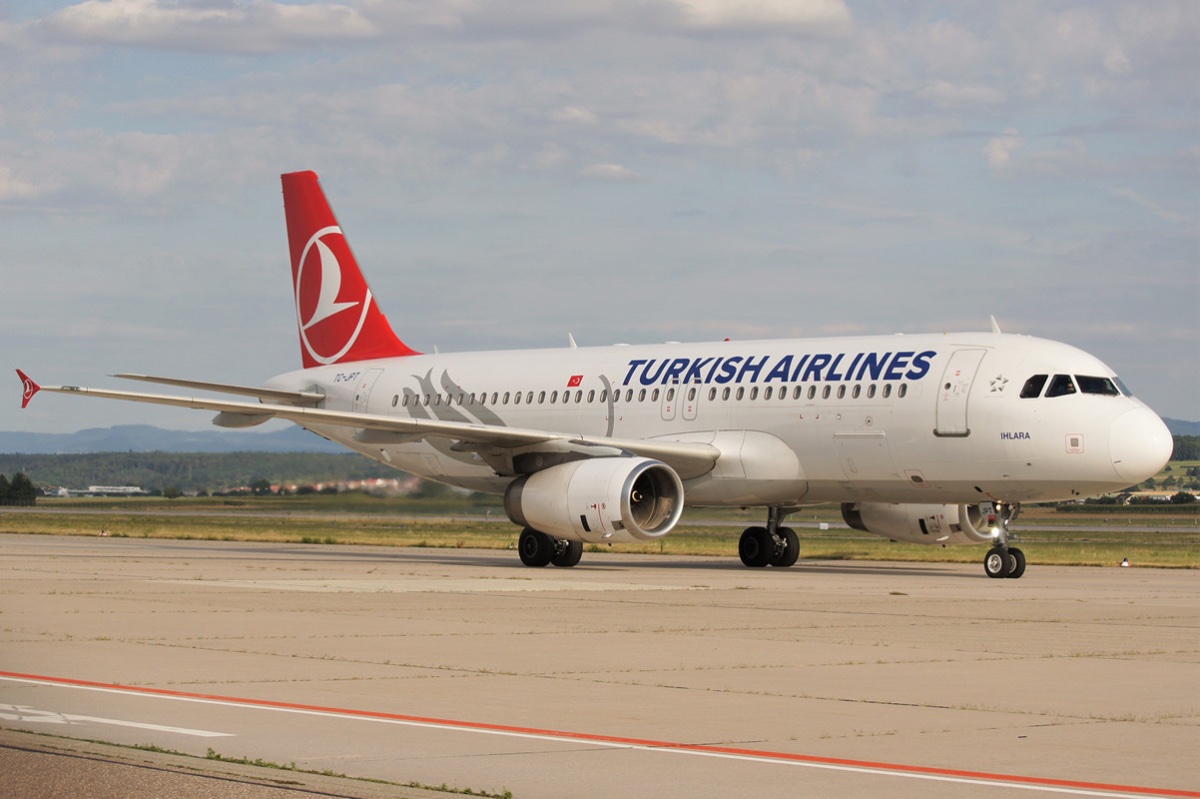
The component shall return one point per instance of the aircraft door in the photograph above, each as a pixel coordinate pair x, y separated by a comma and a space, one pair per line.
954, 393
362, 389
670, 401
691, 402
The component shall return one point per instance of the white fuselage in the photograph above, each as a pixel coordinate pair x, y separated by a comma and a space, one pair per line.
913, 418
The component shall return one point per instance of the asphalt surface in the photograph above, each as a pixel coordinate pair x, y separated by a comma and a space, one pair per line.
625, 676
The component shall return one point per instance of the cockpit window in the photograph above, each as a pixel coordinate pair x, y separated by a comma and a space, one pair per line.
1060, 386
1097, 385
1033, 387
1124, 388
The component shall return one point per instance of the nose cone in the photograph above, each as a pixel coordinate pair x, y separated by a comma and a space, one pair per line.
1139, 444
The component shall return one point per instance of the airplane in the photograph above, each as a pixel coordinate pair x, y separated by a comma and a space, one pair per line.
933, 439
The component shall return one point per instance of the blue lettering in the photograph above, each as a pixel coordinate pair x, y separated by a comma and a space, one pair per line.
895, 371
920, 365
713, 370
633, 365
673, 371
832, 374
872, 365
818, 362
753, 368
693, 372
781, 370
799, 366
649, 379
728, 368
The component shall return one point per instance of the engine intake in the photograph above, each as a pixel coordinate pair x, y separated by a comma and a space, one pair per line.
921, 524
598, 500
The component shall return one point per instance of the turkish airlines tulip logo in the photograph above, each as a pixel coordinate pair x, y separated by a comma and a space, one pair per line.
326, 298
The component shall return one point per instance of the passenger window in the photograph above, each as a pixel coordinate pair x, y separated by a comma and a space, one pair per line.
887, 390
841, 392
902, 391
1033, 387
692, 392
579, 396
725, 393
1060, 386
797, 391
642, 395
767, 393
871, 391
825, 392
529, 398
591, 396
754, 393
741, 392
506, 395
712, 394
812, 392
517, 398
855, 392
541, 398
654, 395
1096, 385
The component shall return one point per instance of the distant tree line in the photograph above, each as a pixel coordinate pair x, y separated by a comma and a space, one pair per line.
1187, 448
210, 472
18, 491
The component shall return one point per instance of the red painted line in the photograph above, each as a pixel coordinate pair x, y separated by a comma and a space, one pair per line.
869, 765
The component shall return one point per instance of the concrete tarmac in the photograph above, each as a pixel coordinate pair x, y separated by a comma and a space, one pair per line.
629, 675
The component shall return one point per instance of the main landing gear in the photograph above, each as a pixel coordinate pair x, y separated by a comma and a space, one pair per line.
538, 549
772, 545
1003, 560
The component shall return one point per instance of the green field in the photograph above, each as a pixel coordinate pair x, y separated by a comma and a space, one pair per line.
1099, 538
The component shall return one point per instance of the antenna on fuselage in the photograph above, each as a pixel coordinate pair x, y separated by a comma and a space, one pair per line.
571, 339
995, 324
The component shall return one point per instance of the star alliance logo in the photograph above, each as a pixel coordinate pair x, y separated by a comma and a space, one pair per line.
998, 383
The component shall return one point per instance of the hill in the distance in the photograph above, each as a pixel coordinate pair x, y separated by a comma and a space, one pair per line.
1180, 428
146, 438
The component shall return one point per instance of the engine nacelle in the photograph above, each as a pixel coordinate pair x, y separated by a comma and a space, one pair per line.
921, 524
598, 500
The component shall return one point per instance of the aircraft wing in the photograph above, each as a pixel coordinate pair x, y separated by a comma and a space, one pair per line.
291, 397
688, 459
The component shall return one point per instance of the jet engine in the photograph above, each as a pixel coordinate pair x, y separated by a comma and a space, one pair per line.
922, 524
615, 499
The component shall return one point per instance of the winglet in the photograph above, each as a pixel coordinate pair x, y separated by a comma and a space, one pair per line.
29, 388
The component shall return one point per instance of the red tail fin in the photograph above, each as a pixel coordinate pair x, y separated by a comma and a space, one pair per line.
28, 388
336, 313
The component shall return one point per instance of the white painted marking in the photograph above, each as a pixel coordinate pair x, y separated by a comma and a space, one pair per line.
28, 715
566, 737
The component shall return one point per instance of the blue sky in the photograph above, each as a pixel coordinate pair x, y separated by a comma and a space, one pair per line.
623, 170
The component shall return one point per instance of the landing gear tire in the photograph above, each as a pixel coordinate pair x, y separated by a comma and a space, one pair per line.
757, 547
790, 553
567, 553
996, 562
536, 549
1016, 563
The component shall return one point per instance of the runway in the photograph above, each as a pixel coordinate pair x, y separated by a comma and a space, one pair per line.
625, 676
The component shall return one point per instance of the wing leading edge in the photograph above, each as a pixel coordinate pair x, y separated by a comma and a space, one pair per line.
688, 459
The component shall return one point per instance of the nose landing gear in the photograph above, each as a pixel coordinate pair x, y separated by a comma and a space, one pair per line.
1003, 560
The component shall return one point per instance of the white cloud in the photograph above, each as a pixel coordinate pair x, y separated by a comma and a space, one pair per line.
257, 26
948, 95
999, 150
821, 17
609, 173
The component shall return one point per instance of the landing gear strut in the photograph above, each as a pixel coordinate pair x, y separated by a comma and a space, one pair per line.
772, 545
1003, 560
